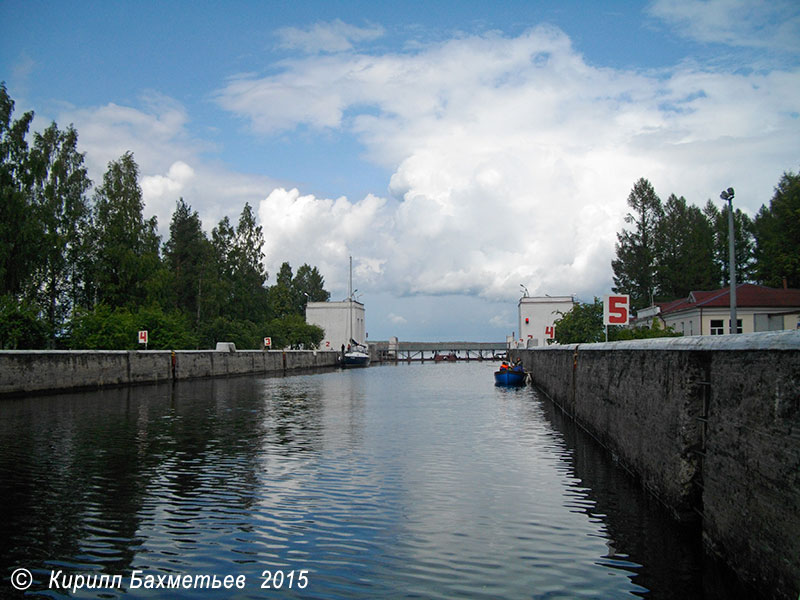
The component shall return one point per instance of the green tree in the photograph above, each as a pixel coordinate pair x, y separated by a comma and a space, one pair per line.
19, 227
107, 328
220, 291
777, 235
239, 291
245, 334
249, 275
684, 251
634, 267
60, 203
126, 248
187, 254
20, 326
103, 328
292, 331
283, 297
167, 330
582, 324
290, 294
310, 286
743, 241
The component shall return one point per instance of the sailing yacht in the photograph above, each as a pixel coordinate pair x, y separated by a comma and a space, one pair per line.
357, 353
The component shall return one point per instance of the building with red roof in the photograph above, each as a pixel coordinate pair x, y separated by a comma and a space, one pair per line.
758, 308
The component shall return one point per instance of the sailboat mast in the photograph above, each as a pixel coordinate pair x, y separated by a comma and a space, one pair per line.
350, 305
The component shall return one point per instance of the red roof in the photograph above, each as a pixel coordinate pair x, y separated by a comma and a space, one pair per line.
748, 295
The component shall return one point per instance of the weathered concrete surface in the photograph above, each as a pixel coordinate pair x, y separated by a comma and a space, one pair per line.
711, 425
751, 471
23, 372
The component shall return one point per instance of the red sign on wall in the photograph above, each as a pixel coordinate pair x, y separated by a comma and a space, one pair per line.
549, 332
616, 310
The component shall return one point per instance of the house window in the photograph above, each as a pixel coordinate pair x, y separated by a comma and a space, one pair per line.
717, 327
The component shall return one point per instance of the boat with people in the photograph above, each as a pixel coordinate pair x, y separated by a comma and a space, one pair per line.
509, 374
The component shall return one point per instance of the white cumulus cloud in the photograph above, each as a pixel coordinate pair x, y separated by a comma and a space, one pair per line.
325, 232
169, 159
512, 157
157, 186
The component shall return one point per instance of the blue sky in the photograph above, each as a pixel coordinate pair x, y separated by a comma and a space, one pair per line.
455, 149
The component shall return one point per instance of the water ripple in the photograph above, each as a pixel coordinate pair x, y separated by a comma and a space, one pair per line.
408, 481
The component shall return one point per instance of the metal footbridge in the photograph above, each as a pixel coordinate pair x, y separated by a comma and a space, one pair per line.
436, 351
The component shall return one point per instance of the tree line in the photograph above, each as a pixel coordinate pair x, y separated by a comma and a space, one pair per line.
672, 248
83, 268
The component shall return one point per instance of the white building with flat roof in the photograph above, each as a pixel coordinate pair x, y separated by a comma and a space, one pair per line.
537, 317
341, 321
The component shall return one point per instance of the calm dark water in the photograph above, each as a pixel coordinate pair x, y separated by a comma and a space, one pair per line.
407, 481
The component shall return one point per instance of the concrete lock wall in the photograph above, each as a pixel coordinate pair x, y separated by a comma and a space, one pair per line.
711, 426
23, 372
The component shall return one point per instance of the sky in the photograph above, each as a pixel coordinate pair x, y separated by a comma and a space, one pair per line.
455, 149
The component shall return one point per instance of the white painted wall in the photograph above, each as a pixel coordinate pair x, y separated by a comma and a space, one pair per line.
334, 319
536, 315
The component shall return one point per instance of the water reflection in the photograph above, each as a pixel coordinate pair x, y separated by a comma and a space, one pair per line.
666, 557
404, 481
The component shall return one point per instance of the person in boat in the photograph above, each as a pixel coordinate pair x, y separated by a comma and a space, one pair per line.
504, 366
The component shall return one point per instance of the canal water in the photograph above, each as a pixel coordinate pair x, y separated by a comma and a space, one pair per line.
401, 481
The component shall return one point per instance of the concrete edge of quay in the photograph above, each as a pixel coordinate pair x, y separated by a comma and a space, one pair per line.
710, 426
24, 372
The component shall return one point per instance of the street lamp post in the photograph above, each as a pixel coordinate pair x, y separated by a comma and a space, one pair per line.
727, 195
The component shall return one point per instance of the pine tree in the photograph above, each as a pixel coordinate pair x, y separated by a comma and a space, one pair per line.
126, 250
283, 297
239, 291
743, 241
187, 254
310, 285
684, 254
777, 235
249, 274
634, 267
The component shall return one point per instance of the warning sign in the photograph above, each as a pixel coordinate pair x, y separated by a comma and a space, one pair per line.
616, 310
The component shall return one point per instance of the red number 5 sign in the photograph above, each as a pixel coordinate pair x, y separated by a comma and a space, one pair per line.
616, 310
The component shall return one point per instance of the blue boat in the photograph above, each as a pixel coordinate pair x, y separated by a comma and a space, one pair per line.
510, 376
